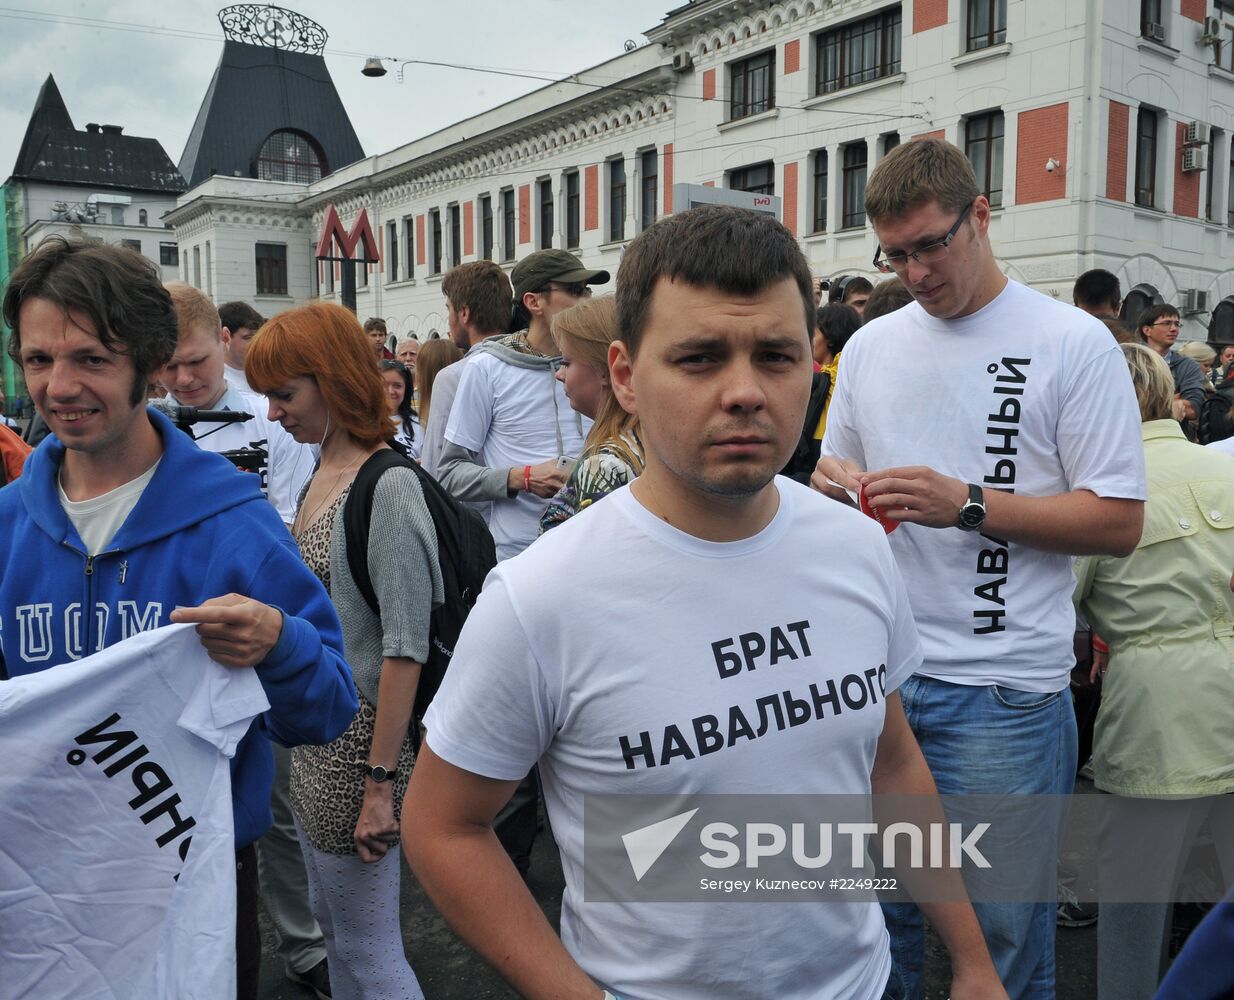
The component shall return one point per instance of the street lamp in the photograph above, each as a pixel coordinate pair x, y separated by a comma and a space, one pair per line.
373, 67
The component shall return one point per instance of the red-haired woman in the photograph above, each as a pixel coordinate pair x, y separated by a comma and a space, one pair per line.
316, 366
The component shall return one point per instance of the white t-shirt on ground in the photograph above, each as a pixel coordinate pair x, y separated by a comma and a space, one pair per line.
604, 629
511, 417
117, 873
1028, 393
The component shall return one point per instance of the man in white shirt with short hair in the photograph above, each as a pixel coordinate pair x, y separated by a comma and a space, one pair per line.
591, 651
1010, 444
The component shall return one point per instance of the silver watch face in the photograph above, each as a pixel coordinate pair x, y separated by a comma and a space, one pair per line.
972, 514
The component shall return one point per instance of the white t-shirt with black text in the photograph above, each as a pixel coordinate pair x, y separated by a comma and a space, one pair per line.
1027, 394
117, 870
604, 630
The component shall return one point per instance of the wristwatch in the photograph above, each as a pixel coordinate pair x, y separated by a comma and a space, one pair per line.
972, 513
379, 773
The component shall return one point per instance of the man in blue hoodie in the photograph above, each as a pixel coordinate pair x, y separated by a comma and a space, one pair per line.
122, 514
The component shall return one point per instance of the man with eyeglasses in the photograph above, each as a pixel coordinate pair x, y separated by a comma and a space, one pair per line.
1159, 326
1010, 444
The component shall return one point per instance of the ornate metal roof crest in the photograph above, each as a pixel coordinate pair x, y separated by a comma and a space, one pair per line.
273, 28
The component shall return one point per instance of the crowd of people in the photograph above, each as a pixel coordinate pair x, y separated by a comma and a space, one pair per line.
944, 479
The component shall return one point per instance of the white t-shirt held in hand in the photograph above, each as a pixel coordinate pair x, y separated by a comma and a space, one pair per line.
117, 872
595, 651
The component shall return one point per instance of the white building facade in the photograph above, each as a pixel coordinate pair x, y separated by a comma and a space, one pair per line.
1100, 130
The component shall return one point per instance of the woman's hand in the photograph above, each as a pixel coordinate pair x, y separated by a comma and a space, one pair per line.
377, 828
1101, 660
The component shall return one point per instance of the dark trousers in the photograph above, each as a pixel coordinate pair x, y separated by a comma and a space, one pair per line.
248, 934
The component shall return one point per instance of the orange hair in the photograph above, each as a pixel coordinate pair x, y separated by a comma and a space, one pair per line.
324, 342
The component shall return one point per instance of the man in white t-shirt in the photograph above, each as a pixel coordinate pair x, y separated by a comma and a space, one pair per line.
593, 652
478, 304
195, 377
1010, 444
240, 324
512, 435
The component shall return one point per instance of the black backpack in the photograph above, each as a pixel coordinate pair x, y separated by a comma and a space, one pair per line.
465, 551
1214, 422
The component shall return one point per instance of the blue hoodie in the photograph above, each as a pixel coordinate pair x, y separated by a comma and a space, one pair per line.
200, 530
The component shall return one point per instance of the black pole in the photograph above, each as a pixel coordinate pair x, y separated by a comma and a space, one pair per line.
348, 293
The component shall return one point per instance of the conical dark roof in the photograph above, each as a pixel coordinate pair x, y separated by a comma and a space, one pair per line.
257, 90
49, 113
55, 152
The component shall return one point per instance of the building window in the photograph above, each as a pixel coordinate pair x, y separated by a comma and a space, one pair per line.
544, 190
987, 24
361, 273
142, 217
209, 271
507, 224
649, 179
758, 179
291, 156
1146, 157
616, 200
890, 141
132, 245
752, 87
1221, 325
486, 227
391, 252
1152, 23
821, 181
859, 52
329, 266
272, 268
1210, 183
456, 236
196, 267
983, 142
572, 209
169, 255
409, 245
1137, 300
856, 158
435, 223
117, 215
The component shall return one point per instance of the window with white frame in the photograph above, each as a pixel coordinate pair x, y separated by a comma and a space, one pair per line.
858, 52
856, 162
752, 85
616, 200
821, 180
985, 24
983, 142
1147, 129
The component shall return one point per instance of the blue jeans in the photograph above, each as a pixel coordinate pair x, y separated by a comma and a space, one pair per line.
994, 741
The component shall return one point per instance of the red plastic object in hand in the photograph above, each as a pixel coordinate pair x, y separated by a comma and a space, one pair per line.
889, 524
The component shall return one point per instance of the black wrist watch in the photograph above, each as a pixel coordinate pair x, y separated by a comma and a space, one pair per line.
972, 514
379, 773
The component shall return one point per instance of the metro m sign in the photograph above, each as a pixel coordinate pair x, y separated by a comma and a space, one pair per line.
332, 234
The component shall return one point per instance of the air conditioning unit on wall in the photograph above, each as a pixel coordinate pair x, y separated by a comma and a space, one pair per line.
1154, 31
682, 62
1212, 31
1197, 133
1193, 159
1195, 300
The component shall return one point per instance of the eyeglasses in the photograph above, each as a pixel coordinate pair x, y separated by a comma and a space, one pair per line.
577, 291
1168, 324
927, 254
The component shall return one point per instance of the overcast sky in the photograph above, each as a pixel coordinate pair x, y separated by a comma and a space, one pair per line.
146, 66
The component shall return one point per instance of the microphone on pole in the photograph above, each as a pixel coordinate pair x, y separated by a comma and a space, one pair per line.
185, 416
